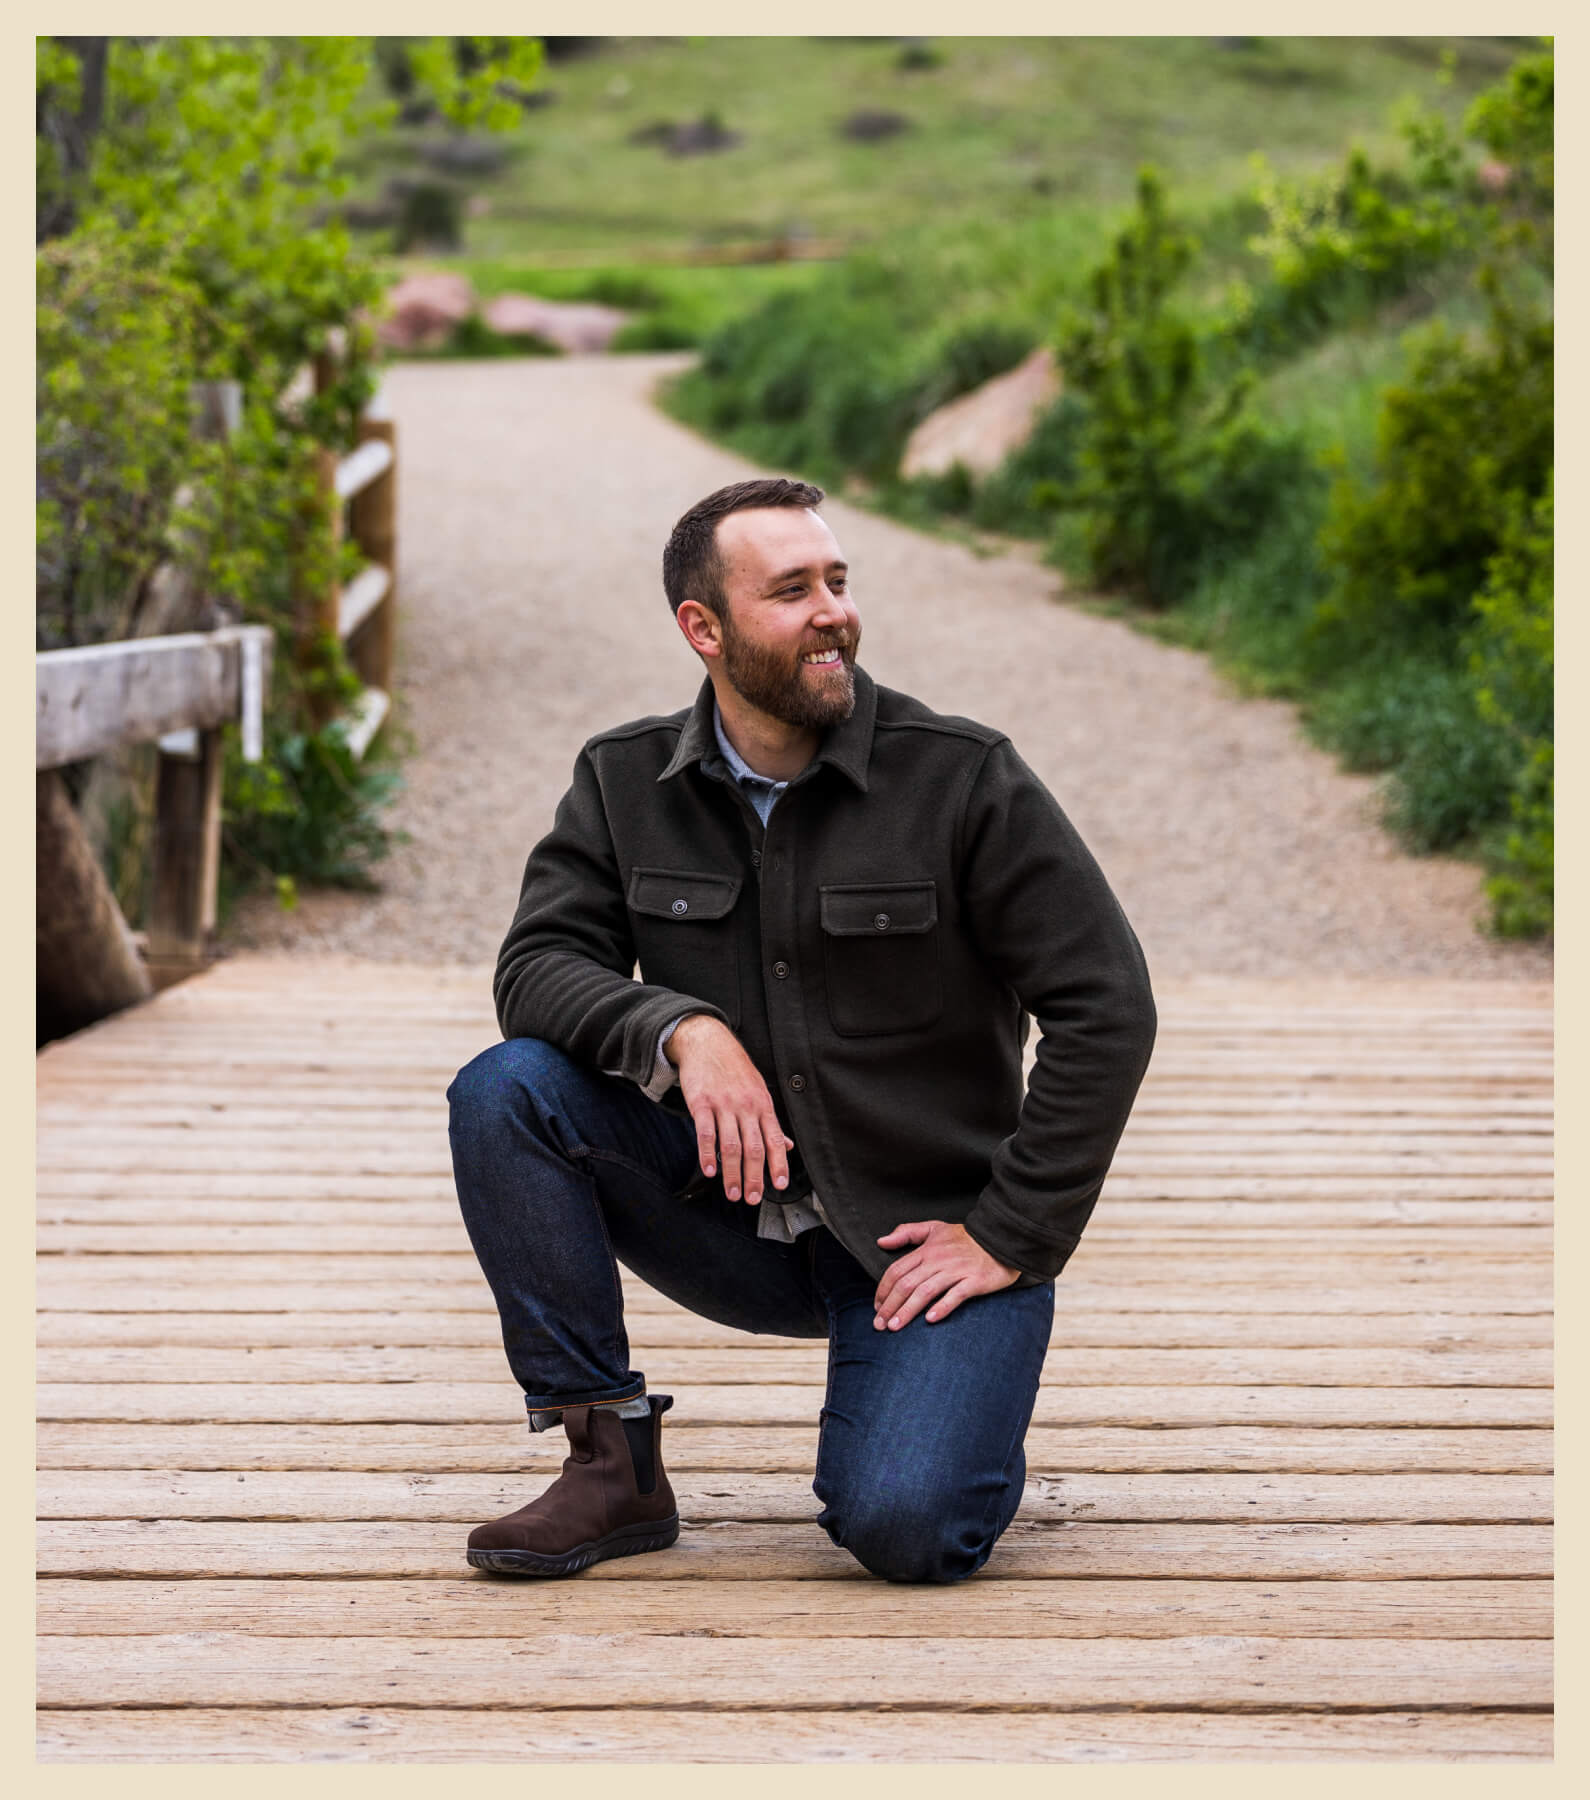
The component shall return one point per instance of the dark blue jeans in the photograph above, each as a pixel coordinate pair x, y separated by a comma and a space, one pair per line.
561, 1169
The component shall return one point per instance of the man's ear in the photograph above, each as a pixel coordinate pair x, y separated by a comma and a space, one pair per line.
703, 632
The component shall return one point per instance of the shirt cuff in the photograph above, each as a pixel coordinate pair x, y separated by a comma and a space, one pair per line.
663, 1073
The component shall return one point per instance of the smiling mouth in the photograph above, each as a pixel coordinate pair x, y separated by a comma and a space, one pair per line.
823, 659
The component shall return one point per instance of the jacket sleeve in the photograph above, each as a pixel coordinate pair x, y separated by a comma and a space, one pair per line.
1041, 913
565, 972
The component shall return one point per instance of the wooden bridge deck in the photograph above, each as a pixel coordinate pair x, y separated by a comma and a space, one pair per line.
1290, 1468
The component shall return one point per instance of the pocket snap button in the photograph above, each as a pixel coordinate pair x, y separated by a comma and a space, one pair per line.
681, 906
798, 1084
881, 920
780, 970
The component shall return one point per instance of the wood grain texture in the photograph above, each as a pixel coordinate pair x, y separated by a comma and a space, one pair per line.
1289, 1472
382, 1733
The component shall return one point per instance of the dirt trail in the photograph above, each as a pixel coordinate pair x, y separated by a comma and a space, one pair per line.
535, 498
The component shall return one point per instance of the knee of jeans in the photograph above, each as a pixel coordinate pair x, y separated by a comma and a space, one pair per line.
916, 1537
493, 1086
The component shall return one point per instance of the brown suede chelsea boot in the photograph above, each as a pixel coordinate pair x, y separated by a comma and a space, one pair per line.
612, 1499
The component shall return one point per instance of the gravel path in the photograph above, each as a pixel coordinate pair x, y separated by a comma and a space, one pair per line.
535, 498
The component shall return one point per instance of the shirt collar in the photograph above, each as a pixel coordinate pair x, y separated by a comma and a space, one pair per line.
847, 745
739, 768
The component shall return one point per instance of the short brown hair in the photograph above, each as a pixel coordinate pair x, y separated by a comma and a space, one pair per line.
691, 566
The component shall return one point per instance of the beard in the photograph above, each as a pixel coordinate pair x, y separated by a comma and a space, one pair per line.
776, 683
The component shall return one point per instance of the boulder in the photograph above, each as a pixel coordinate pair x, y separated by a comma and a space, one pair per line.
422, 310
574, 326
982, 428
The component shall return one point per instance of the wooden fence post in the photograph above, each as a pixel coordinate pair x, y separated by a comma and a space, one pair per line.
187, 858
315, 599
373, 515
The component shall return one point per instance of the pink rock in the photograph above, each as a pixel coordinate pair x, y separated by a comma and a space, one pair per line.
423, 309
574, 326
980, 429
1494, 176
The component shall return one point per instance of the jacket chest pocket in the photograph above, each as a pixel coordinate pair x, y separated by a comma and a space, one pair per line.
684, 934
881, 956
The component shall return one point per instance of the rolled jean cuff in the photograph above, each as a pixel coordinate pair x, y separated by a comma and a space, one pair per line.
546, 1410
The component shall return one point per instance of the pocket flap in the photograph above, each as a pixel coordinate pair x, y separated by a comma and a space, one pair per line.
677, 894
880, 909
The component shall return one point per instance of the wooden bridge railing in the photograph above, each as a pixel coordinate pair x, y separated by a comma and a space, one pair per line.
182, 690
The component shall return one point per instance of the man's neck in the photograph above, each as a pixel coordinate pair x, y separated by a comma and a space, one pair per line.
775, 749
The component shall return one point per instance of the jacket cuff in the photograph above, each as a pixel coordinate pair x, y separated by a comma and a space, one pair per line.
1009, 1238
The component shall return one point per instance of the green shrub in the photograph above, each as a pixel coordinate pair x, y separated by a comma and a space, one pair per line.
430, 217
1171, 466
1511, 661
1461, 442
309, 812
662, 330
1450, 769
1340, 243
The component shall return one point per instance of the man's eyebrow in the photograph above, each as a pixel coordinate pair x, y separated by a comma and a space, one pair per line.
838, 563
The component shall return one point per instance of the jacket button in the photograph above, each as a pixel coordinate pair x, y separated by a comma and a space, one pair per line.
780, 970
881, 920
681, 906
797, 1084
756, 859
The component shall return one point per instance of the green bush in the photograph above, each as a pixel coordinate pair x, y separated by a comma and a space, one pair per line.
1512, 662
308, 813
1338, 244
1171, 467
1462, 442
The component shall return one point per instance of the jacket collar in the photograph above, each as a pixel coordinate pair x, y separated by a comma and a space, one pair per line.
847, 746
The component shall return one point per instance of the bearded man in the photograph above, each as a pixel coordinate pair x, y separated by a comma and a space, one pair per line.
807, 1117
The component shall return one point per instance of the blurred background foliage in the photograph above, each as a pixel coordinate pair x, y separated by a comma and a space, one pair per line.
184, 236
1299, 290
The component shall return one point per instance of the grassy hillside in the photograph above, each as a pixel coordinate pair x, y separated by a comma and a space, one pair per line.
997, 128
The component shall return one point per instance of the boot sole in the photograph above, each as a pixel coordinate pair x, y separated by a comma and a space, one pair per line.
629, 1540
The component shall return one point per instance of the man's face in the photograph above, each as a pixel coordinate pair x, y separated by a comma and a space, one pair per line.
787, 601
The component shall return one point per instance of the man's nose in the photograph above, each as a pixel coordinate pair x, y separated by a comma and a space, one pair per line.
832, 608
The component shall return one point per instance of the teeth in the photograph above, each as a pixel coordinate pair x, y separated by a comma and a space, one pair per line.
821, 656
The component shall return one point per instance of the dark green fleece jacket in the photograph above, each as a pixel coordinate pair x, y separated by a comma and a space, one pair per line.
878, 949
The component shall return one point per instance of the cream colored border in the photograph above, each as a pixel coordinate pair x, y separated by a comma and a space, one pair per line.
698, 1781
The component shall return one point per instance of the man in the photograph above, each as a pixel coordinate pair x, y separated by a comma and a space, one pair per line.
807, 1116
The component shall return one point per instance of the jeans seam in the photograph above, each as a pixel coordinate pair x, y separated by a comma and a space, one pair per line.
1017, 1437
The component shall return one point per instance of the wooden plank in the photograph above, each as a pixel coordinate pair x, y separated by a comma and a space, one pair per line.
653, 1734
467, 1607
105, 1145
312, 1494
223, 1668
369, 462
1127, 1223
651, 1330
737, 1551
752, 1362
447, 1403
506, 1447
94, 698
365, 718
359, 599
165, 1285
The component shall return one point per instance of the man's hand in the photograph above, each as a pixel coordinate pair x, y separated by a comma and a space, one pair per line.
947, 1267
732, 1109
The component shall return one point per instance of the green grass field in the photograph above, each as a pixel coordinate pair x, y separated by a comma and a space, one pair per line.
1002, 129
